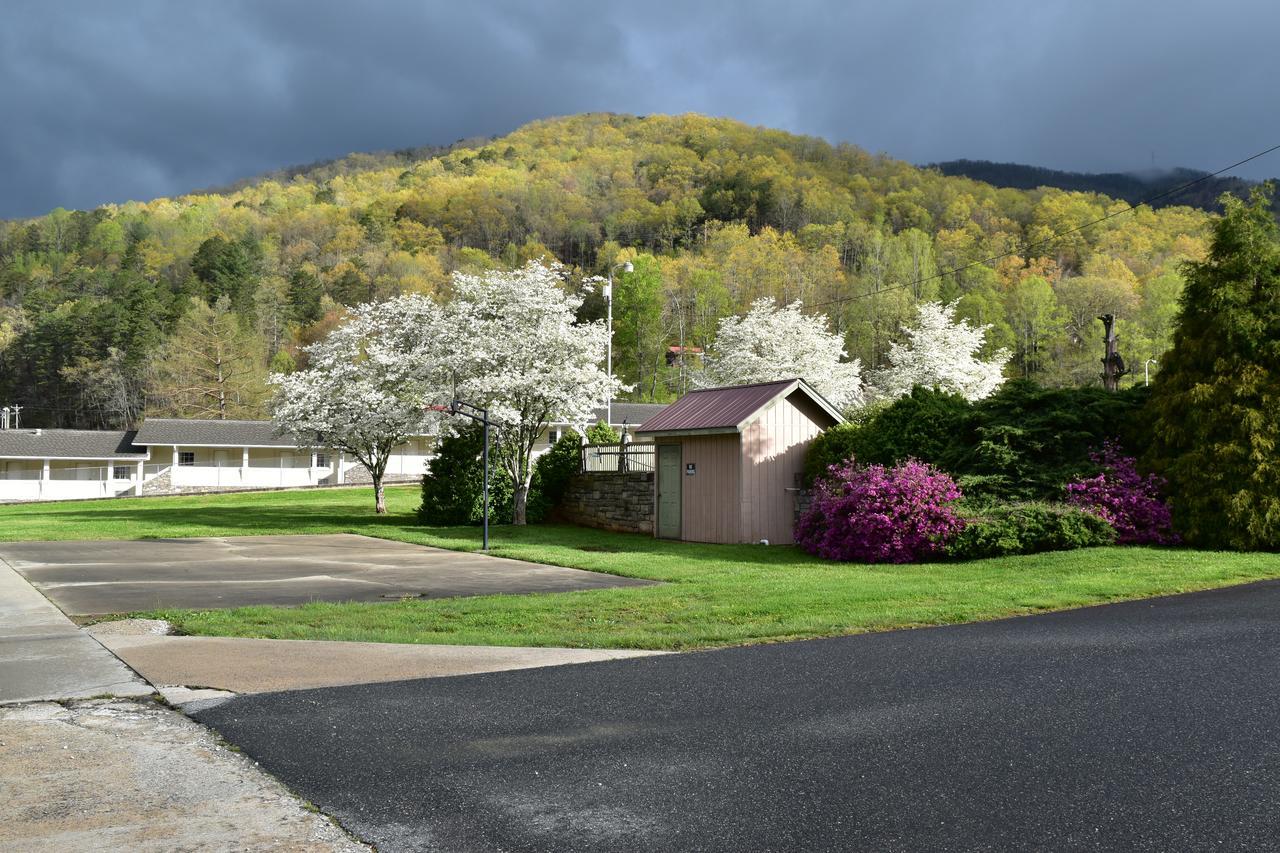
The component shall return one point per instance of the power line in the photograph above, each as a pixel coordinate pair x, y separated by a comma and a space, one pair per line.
1129, 208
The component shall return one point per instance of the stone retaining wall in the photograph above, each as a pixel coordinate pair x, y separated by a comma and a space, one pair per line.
358, 474
622, 503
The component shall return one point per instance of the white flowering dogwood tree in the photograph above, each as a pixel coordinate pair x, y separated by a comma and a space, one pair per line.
514, 348
940, 352
772, 343
366, 384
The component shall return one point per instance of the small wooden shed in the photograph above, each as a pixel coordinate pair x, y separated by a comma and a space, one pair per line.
728, 460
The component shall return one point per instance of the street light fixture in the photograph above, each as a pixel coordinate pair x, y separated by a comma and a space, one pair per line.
1146, 371
625, 266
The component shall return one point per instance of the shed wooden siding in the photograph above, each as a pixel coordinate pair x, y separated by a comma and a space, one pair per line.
773, 450
711, 509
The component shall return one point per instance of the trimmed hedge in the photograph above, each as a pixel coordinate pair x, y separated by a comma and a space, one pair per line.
1029, 528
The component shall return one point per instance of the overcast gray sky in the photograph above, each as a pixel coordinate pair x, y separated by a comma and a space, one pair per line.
105, 102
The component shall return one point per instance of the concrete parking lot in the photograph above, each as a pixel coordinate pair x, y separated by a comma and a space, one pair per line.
96, 578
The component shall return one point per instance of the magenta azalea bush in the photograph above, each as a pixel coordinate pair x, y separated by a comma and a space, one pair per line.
880, 514
1125, 499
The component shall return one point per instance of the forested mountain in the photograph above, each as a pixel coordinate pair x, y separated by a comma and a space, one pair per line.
1132, 187
183, 305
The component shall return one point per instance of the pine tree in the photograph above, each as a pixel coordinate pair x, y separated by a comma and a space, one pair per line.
1216, 404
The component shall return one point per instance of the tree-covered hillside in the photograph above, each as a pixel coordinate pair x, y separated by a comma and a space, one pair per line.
184, 305
1165, 188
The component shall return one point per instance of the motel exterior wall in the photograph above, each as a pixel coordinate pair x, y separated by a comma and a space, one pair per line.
154, 468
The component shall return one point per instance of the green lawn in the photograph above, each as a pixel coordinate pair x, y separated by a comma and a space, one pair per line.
713, 595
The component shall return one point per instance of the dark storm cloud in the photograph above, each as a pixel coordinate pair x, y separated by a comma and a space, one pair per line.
106, 102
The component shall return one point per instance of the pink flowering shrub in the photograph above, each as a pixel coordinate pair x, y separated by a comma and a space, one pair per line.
879, 514
1125, 499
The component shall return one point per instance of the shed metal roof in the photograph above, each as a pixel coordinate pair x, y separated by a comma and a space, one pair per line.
725, 410
210, 433
69, 444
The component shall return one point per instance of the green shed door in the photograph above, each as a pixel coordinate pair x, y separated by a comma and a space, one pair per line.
669, 485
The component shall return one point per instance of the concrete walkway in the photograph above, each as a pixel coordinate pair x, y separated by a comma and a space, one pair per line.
244, 665
127, 774
43, 655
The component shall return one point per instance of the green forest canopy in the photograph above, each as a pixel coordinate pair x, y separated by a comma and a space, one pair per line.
96, 306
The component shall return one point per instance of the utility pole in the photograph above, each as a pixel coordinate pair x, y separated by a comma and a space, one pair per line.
1112, 364
625, 266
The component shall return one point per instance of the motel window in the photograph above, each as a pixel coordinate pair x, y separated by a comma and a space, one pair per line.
322, 460
121, 472
553, 435
186, 457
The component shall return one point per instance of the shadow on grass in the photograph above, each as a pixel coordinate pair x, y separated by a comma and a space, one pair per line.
352, 512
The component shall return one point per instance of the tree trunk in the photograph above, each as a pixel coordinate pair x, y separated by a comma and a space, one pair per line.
379, 496
520, 501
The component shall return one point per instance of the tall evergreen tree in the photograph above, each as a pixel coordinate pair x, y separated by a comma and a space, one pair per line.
1216, 404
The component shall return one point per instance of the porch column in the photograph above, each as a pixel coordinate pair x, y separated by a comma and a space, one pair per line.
142, 473
44, 476
341, 474
244, 464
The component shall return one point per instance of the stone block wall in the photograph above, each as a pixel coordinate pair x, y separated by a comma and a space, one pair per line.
622, 503
359, 475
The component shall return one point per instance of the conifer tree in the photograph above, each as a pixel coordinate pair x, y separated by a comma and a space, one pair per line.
1216, 404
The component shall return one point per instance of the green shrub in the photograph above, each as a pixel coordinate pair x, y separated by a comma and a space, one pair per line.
1022, 443
452, 488
1028, 528
920, 426
555, 468
602, 433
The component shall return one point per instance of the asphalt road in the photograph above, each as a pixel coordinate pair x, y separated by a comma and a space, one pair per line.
1151, 725
92, 578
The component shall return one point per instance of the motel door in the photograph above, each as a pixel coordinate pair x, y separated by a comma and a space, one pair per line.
670, 483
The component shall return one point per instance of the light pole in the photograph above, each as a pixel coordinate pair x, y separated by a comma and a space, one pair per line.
625, 266
1146, 371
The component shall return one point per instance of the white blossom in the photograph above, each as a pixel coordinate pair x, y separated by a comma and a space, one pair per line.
366, 384
513, 346
772, 343
940, 352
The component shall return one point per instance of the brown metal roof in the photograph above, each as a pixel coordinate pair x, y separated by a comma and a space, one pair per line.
724, 409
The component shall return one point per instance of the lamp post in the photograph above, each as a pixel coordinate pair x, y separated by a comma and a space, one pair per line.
1146, 371
625, 266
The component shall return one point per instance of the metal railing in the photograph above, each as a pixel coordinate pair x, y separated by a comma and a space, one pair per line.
93, 473
617, 458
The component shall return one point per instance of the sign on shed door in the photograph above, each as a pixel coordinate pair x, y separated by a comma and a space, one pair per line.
670, 482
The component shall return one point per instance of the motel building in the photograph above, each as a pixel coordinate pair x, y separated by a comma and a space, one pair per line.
167, 456
172, 456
